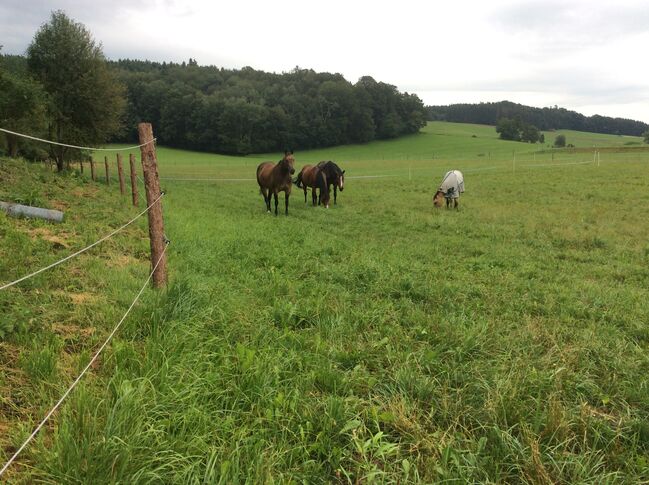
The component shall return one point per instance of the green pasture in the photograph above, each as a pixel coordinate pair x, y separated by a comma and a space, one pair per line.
378, 341
437, 147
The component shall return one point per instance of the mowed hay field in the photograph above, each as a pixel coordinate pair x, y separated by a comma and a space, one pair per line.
378, 341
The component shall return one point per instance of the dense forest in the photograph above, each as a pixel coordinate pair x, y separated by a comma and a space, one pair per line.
245, 111
542, 118
249, 111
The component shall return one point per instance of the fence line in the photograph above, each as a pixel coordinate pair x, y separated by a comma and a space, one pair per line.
370, 176
556, 164
208, 179
432, 170
84, 249
76, 381
75, 146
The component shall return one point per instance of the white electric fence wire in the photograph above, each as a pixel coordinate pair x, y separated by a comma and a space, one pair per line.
76, 381
369, 176
207, 179
349, 177
557, 164
84, 249
141, 181
75, 146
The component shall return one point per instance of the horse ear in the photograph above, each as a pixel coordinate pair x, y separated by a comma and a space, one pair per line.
343, 171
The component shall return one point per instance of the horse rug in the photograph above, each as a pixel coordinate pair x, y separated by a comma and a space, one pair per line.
452, 184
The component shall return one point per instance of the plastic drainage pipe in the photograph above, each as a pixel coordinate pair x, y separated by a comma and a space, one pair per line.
19, 210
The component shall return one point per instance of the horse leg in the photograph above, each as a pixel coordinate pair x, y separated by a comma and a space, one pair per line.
276, 202
314, 197
286, 194
335, 193
304, 187
457, 205
266, 195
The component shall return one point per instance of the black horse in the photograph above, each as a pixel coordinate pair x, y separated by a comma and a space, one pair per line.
335, 176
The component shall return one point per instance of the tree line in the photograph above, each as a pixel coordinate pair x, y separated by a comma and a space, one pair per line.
553, 118
246, 111
64, 89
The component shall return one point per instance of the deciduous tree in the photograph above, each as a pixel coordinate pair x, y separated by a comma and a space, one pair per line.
86, 102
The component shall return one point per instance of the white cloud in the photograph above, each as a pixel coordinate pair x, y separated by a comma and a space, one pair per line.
579, 54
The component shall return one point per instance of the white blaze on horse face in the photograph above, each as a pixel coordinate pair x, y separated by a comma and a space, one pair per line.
341, 182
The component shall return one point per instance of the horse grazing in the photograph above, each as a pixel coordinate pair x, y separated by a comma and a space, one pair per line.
314, 177
276, 177
335, 176
450, 189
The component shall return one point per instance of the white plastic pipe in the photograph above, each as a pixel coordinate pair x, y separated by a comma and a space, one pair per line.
19, 210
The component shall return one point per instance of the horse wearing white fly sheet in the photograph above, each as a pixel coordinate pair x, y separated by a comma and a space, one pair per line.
450, 189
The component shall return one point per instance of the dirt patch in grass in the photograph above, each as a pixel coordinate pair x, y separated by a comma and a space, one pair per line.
84, 191
123, 260
81, 298
67, 331
59, 240
60, 205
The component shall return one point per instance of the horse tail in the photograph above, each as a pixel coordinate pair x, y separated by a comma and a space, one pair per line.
298, 179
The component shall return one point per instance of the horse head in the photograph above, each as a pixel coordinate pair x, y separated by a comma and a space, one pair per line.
340, 180
438, 198
289, 161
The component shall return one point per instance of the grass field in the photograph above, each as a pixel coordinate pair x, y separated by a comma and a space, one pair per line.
379, 341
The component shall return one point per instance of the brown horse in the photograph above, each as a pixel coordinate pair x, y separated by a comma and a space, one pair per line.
276, 177
312, 176
335, 176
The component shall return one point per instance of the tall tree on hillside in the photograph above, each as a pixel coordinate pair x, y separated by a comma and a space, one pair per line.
560, 141
86, 100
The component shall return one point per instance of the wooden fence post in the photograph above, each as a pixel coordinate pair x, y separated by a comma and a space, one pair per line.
92, 169
81, 166
152, 186
107, 175
131, 159
120, 173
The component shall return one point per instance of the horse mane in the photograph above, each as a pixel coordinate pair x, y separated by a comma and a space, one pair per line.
330, 166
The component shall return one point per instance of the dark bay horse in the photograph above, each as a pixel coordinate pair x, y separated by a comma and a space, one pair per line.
314, 177
335, 176
276, 177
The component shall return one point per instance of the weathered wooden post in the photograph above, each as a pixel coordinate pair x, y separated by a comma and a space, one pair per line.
152, 186
81, 166
107, 174
120, 173
92, 169
131, 159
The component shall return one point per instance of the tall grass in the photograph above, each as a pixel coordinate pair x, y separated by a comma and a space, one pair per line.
377, 341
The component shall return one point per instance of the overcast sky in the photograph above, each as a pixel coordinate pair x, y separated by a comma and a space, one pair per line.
589, 56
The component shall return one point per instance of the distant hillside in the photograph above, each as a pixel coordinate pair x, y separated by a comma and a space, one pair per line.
543, 118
